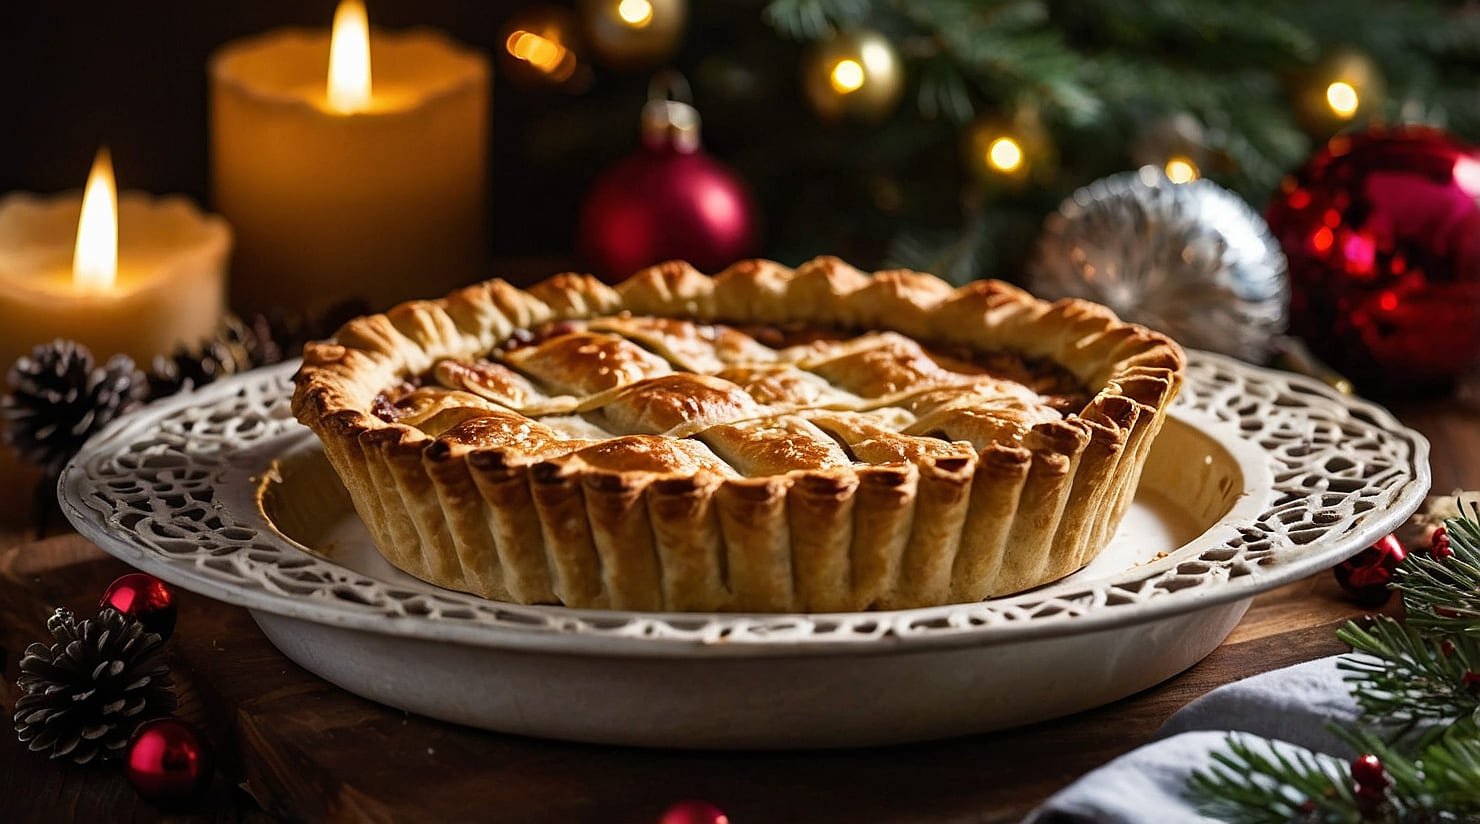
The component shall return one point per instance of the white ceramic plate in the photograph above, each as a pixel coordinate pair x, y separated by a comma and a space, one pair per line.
1258, 479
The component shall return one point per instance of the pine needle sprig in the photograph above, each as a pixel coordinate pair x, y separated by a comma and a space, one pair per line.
1442, 595
1407, 676
1256, 782
1452, 767
1422, 674
1440, 783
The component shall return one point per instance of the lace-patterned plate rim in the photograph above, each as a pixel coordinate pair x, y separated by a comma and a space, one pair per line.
169, 490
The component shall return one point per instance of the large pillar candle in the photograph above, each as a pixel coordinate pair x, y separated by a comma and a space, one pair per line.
374, 188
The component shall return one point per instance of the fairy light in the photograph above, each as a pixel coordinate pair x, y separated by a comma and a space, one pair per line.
545, 54
1181, 169
635, 13
1343, 99
1005, 155
846, 76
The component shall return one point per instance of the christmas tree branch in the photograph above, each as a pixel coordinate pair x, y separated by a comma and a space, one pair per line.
814, 19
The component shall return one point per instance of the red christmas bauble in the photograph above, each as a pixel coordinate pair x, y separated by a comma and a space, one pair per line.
145, 598
1368, 770
1382, 234
1366, 575
1439, 544
669, 201
168, 762
1371, 779
693, 812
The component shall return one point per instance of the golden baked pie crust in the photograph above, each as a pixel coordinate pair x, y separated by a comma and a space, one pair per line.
649, 522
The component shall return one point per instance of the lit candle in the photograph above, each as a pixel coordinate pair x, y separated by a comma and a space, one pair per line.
136, 275
350, 164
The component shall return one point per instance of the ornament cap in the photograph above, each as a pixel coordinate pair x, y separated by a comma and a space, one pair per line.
669, 120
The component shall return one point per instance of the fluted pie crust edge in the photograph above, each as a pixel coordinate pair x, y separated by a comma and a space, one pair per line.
860, 537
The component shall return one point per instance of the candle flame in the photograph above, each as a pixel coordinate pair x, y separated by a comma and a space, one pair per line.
349, 58
95, 262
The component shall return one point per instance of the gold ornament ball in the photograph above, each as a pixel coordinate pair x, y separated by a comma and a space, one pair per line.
632, 35
540, 50
1344, 88
856, 75
1010, 152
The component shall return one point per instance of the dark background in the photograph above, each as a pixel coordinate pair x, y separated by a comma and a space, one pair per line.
132, 75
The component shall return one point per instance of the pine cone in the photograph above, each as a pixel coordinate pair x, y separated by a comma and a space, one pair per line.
82, 697
59, 398
243, 344
291, 332
191, 367
256, 338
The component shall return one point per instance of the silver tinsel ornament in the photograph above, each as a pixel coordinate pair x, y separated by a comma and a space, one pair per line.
1190, 259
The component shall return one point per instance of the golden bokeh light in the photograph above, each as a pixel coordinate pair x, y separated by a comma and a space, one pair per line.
1343, 99
1181, 169
541, 52
635, 13
1005, 154
846, 76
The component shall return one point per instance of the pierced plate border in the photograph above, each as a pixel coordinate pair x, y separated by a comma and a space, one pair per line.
168, 490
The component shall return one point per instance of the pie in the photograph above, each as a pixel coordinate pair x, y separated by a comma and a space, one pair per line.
764, 440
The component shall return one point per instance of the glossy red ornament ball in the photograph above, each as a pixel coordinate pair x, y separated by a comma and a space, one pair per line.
1371, 779
693, 812
1439, 544
1382, 234
168, 762
1366, 575
668, 201
145, 598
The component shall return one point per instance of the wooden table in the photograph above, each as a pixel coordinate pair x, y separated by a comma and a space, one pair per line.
293, 746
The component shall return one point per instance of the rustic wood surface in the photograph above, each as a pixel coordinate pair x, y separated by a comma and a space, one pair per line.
295, 747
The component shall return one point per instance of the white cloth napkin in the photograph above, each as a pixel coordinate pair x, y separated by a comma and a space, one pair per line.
1291, 705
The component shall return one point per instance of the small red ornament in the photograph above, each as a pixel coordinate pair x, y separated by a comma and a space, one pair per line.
145, 598
168, 762
1371, 780
1382, 233
693, 812
1439, 544
668, 201
1366, 575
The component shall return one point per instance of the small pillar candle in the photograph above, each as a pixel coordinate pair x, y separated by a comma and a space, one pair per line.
161, 284
374, 188
134, 275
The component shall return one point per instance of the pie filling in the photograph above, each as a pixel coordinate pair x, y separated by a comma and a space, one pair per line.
672, 396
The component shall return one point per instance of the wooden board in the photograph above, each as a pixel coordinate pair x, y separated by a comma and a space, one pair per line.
304, 749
